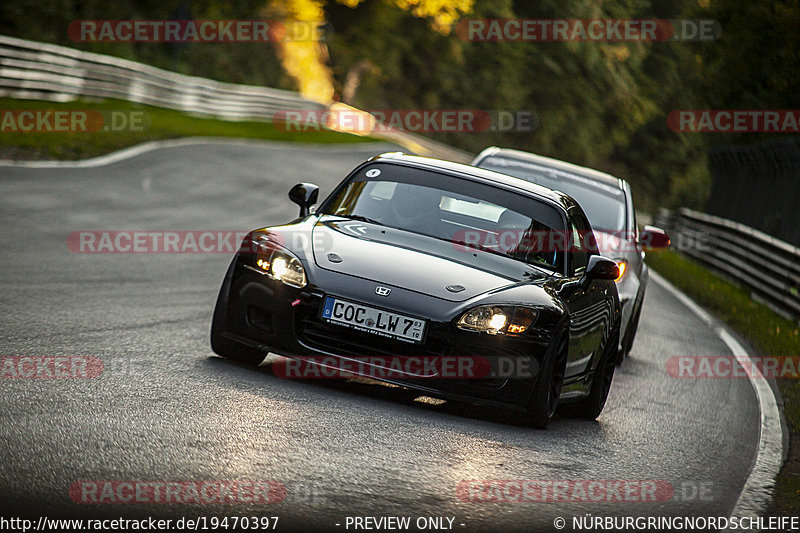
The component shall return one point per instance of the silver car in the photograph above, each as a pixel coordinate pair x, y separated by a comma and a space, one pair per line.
608, 204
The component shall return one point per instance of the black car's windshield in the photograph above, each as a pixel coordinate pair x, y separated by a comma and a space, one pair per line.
467, 214
604, 205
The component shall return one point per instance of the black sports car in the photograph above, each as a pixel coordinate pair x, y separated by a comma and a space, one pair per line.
455, 281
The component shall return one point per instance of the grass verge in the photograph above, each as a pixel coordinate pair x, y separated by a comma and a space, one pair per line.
128, 124
770, 334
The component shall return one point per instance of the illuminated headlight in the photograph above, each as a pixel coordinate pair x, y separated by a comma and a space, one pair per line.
493, 319
623, 266
281, 265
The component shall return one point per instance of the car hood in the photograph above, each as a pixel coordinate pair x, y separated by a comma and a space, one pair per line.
394, 257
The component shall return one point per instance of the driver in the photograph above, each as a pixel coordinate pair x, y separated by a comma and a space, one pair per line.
416, 208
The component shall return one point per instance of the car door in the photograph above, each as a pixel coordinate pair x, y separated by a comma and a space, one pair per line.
588, 306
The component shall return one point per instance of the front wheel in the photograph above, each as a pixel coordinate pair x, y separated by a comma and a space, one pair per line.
233, 350
544, 398
224, 346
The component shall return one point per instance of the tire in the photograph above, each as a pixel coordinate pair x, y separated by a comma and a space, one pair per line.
591, 406
630, 336
223, 346
233, 350
544, 398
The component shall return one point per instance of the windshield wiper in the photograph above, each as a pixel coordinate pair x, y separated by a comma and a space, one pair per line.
541, 270
362, 218
473, 246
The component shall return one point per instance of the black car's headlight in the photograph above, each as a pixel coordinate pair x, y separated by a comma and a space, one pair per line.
279, 263
494, 319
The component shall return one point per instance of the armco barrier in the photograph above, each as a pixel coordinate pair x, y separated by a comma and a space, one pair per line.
40, 71
769, 266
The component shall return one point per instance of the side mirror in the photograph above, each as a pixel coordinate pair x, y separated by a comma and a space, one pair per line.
600, 267
652, 238
305, 195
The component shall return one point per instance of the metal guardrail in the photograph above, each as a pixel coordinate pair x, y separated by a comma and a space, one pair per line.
40, 71
768, 266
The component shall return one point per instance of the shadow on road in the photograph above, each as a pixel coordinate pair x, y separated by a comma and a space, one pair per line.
389, 393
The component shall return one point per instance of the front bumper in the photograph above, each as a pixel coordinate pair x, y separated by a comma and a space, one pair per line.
629, 299
266, 314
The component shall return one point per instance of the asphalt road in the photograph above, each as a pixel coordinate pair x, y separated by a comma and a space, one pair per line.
166, 409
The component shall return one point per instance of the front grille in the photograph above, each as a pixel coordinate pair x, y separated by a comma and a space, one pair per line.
343, 341
313, 333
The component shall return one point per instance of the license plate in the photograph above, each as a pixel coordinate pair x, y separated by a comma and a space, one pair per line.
378, 321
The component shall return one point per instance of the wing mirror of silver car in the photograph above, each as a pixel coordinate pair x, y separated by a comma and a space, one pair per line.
653, 238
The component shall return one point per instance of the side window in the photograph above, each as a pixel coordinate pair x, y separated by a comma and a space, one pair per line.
582, 242
578, 255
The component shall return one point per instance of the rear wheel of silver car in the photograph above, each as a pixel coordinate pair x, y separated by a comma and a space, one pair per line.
630, 334
544, 399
